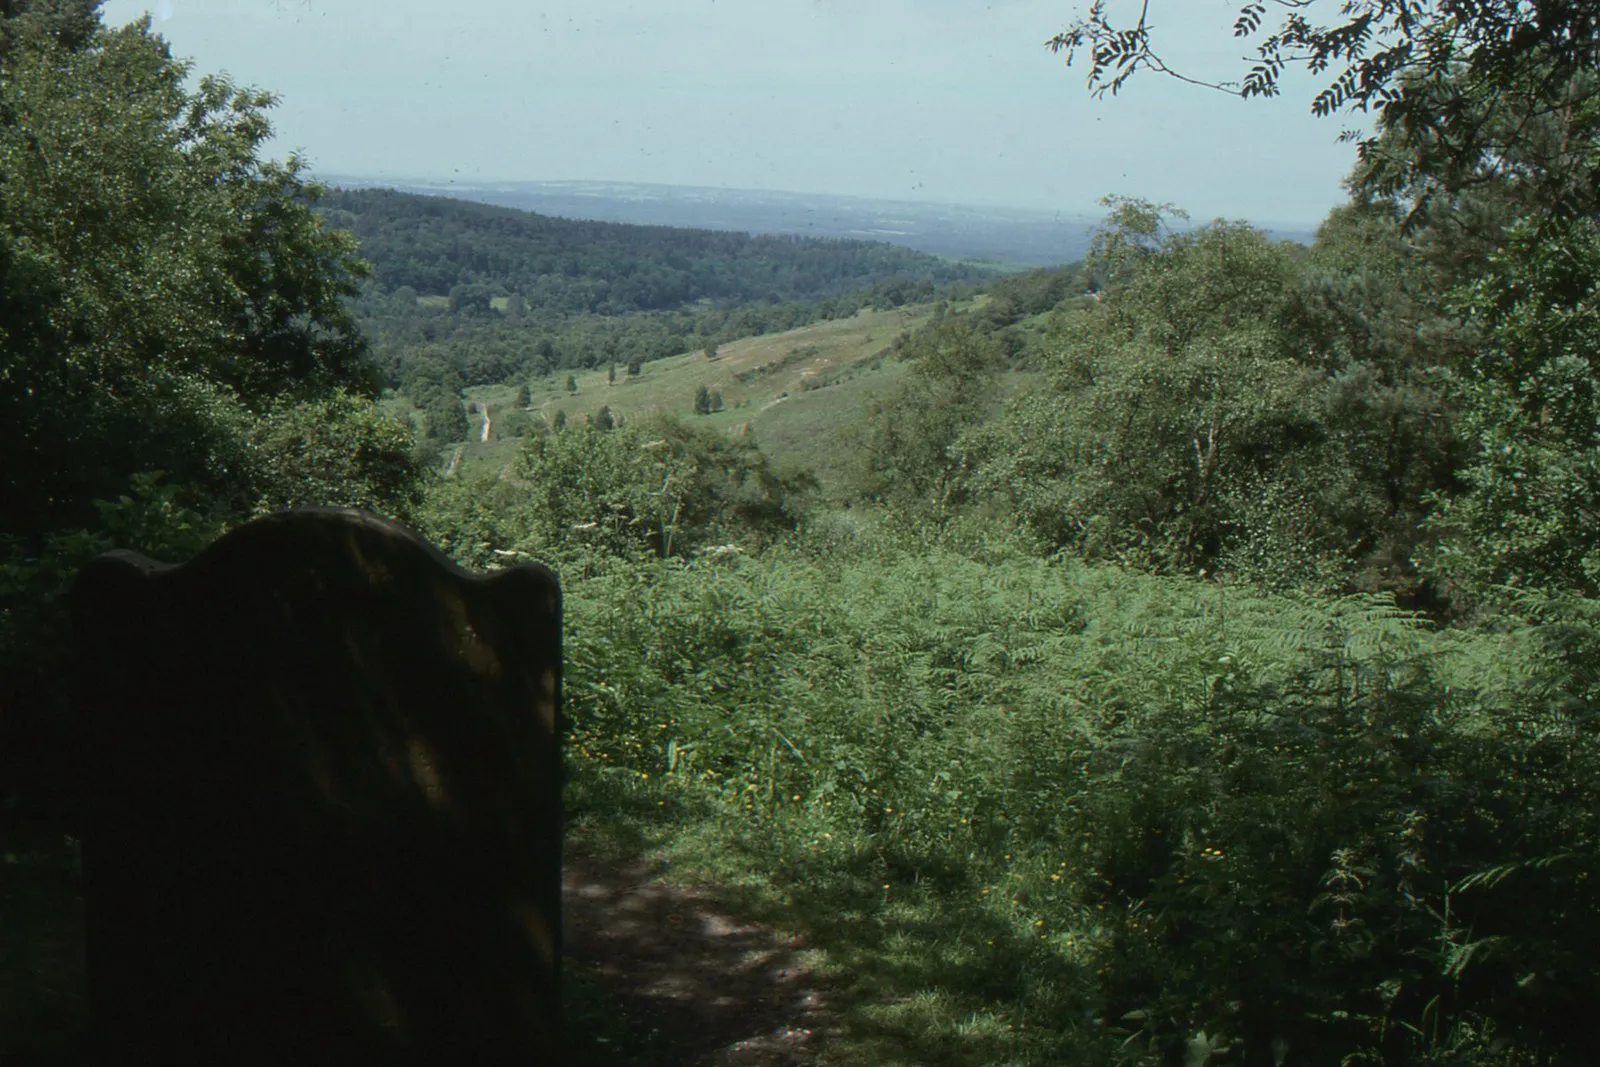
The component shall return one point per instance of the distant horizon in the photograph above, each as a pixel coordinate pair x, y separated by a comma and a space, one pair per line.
419, 179
1090, 214
898, 101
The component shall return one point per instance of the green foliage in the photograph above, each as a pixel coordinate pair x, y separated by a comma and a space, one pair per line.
906, 455
175, 349
165, 269
655, 485
427, 374
1113, 811
471, 299
336, 451
69, 24
1237, 404
475, 520
36, 733
1032, 293
1174, 402
444, 419
444, 246
600, 293
1134, 230
1530, 403
1031, 810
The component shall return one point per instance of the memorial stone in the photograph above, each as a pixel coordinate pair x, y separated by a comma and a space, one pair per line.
323, 801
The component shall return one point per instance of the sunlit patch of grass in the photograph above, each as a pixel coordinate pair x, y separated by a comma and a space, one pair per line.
763, 382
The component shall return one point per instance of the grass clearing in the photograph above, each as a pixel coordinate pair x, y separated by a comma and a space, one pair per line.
798, 392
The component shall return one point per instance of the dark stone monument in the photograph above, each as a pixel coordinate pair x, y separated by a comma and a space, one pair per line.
322, 818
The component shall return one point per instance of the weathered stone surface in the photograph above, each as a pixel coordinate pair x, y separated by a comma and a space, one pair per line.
323, 823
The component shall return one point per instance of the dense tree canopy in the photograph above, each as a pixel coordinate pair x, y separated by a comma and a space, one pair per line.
159, 278
473, 252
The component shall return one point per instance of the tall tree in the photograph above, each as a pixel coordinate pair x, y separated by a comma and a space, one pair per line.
155, 271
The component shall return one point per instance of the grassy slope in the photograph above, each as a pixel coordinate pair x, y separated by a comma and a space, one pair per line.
798, 427
801, 428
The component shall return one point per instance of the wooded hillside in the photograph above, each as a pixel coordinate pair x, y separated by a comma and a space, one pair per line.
474, 252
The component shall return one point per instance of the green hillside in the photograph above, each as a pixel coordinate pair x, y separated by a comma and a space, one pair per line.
475, 253
804, 395
796, 392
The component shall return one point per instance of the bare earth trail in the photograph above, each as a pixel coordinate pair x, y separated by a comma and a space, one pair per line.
704, 987
695, 986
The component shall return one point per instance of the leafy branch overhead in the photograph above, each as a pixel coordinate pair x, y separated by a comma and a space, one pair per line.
1445, 74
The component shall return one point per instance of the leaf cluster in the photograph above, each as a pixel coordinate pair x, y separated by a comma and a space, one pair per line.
1451, 81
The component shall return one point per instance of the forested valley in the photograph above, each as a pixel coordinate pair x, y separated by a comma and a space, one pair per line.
1184, 656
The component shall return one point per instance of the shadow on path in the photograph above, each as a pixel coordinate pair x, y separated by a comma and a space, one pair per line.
700, 987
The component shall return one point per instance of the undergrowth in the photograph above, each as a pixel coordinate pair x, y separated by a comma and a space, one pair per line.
1034, 811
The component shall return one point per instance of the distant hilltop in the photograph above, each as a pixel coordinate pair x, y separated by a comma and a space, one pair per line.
997, 235
1014, 236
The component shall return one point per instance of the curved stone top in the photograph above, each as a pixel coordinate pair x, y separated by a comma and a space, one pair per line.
323, 803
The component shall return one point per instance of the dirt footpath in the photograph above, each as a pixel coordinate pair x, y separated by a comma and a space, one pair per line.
705, 988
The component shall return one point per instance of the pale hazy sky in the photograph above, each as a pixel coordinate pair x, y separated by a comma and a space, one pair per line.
947, 100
